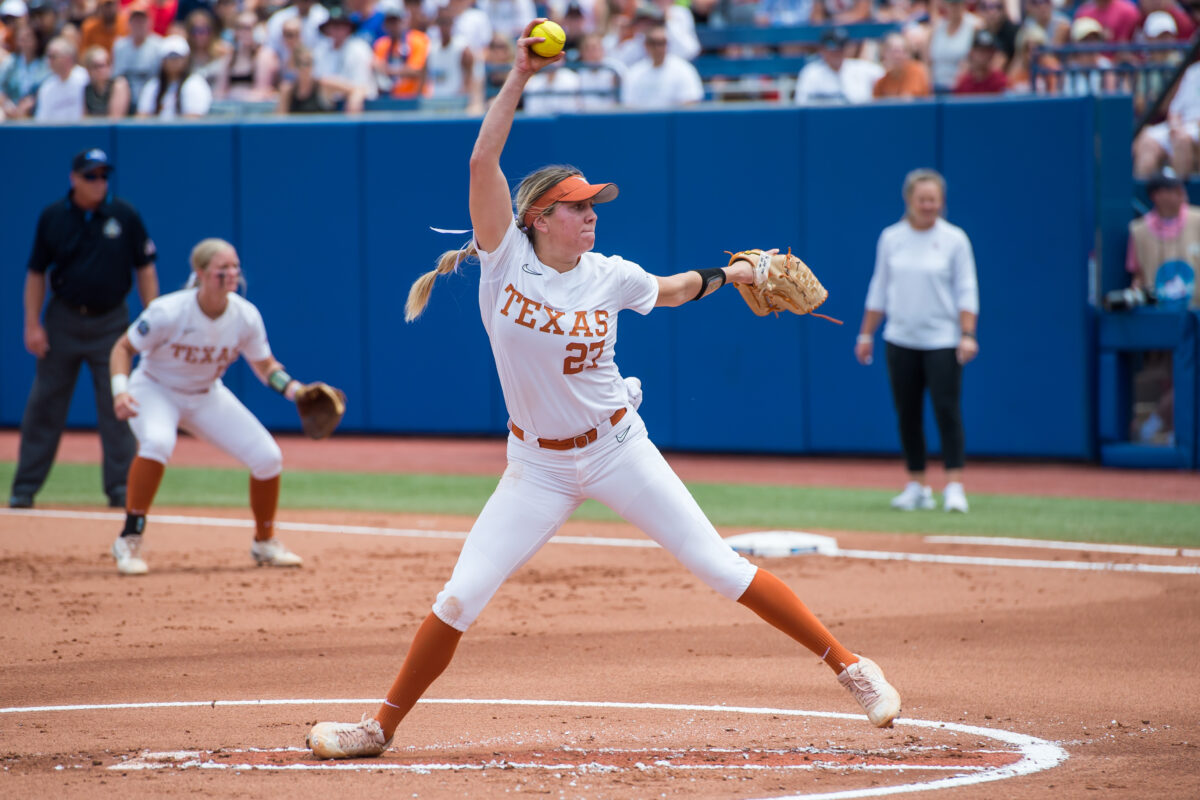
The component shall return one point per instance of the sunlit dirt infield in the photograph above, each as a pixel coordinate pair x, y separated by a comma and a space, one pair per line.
670, 690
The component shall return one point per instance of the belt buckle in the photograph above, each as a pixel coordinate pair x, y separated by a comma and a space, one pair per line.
581, 440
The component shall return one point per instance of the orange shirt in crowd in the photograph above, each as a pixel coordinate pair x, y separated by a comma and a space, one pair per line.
911, 81
93, 31
418, 51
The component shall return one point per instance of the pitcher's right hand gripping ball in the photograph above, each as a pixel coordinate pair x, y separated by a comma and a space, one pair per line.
321, 407
781, 283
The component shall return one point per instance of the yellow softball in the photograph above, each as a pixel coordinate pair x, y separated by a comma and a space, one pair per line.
555, 38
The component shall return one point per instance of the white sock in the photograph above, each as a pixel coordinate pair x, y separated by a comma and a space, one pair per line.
954, 486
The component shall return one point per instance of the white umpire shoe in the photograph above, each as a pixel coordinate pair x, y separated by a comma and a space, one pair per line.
127, 550
864, 679
347, 739
272, 553
634, 386
954, 498
915, 497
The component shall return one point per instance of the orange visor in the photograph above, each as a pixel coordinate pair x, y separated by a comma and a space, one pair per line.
570, 190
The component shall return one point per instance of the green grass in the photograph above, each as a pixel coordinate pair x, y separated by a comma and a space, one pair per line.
776, 507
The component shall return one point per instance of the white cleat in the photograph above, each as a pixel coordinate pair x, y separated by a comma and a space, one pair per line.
272, 553
864, 679
347, 739
915, 497
954, 498
127, 550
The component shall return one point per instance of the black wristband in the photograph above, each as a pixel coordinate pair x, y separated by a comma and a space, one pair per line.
707, 276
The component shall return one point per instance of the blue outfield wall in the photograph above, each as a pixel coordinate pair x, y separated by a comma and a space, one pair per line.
332, 219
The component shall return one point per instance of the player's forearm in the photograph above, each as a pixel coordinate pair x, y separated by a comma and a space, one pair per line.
870, 322
147, 284
35, 297
120, 359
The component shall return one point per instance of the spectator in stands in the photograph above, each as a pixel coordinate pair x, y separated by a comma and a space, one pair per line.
1054, 25
290, 35
905, 77
1175, 140
43, 18
175, 91
600, 77
103, 28
508, 17
209, 53
451, 62
626, 42
137, 57
13, 13
995, 19
104, 95
841, 12
301, 94
574, 27
1119, 19
418, 20
1184, 26
1030, 40
1163, 255
472, 26
76, 11
245, 75
592, 15
925, 284
401, 54
1160, 65
981, 75
497, 62
367, 17
784, 13
60, 96
1088, 72
162, 15
344, 64
311, 15
553, 90
834, 78
662, 80
949, 43
681, 29
22, 75
226, 12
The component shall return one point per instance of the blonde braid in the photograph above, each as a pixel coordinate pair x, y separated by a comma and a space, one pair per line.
418, 294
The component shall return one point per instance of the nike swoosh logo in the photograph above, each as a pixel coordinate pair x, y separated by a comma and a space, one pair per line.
530, 271
621, 436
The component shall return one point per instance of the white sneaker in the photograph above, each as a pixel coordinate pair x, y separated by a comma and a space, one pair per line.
915, 497
347, 739
272, 553
127, 551
954, 498
864, 679
634, 386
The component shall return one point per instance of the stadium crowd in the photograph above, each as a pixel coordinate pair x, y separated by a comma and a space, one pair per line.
62, 60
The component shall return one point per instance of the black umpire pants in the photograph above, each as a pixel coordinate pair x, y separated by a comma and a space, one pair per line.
74, 338
912, 372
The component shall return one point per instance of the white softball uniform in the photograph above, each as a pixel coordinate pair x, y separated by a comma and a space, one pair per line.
553, 336
177, 381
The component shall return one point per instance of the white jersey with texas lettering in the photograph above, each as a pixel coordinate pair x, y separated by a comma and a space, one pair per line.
183, 349
553, 334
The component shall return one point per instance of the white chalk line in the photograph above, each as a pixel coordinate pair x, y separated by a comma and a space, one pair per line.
1047, 544
601, 541
1037, 754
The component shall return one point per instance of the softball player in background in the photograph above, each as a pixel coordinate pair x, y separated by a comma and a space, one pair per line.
550, 307
187, 339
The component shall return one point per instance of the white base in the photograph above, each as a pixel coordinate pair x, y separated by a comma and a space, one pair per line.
782, 543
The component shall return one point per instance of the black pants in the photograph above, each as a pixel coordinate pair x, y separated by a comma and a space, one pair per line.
911, 373
74, 339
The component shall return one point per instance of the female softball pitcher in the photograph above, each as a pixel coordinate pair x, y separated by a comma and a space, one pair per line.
549, 306
187, 339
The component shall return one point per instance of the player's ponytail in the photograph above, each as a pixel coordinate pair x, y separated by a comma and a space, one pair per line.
418, 295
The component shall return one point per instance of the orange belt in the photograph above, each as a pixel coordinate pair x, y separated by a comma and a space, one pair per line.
582, 440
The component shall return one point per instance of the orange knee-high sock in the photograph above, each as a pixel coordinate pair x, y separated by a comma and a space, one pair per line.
264, 500
430, 654
142, 484
772, 600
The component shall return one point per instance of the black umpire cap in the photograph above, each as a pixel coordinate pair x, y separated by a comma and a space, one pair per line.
90, 159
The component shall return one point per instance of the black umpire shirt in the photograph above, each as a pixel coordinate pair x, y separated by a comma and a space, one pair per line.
94, 253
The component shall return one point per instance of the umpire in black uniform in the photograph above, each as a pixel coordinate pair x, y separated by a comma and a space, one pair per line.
93, 246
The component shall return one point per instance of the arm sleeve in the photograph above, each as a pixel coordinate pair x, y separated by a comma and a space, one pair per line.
877, 289
509, 248
639, 289
966, 286
254, 344
41, 256
152, 328
144, 251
